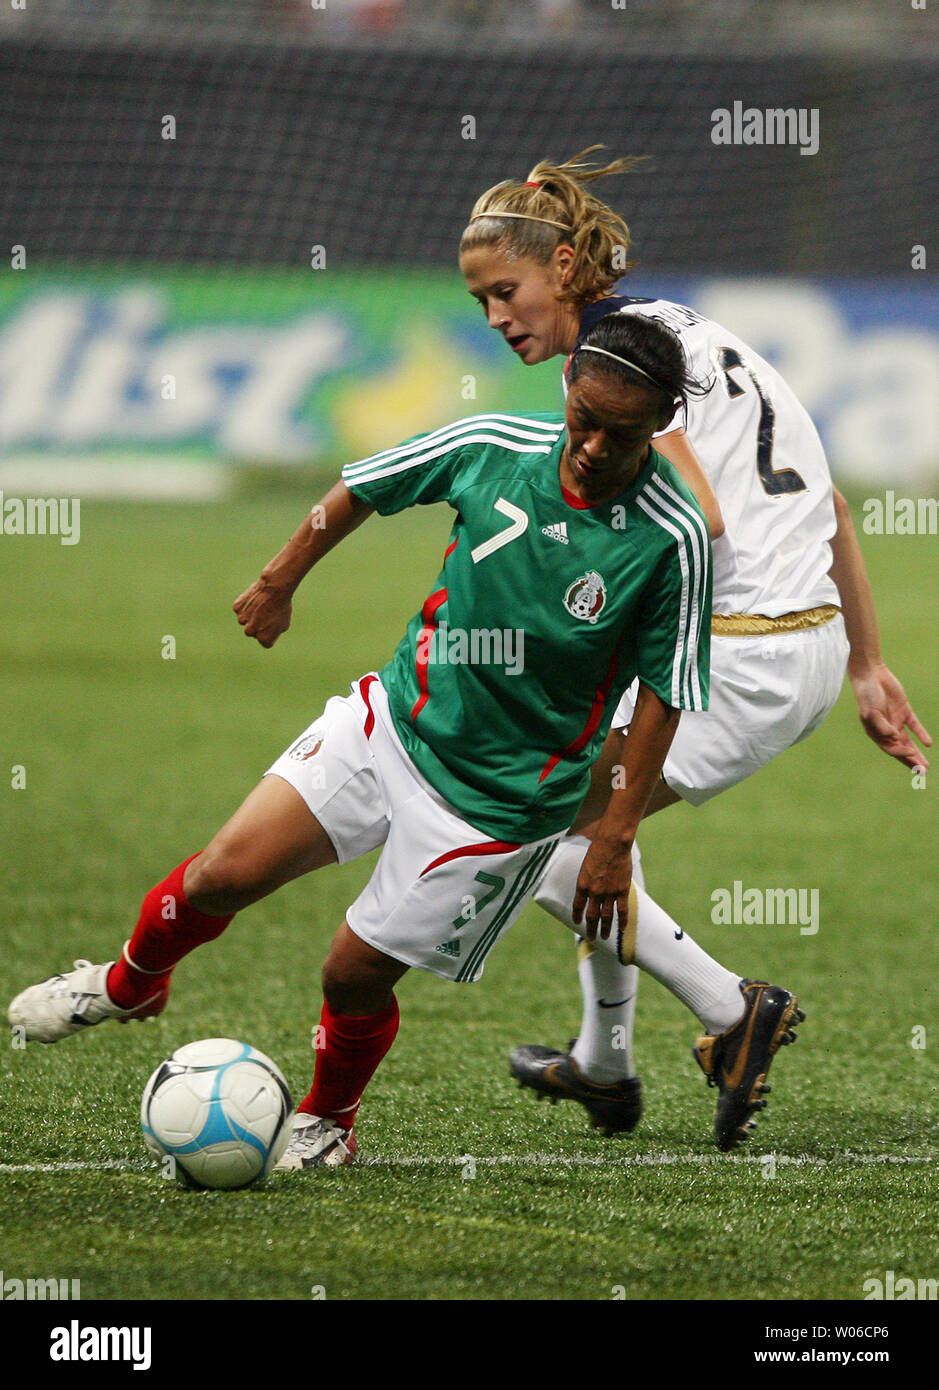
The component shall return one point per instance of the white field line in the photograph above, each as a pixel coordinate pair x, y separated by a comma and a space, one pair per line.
653, 1160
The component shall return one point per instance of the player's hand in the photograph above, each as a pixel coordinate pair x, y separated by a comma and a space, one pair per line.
602, 884
886, 714
264, 611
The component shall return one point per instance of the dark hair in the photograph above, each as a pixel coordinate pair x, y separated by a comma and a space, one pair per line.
654, 348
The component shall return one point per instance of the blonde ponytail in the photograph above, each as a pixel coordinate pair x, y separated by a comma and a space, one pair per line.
552, 208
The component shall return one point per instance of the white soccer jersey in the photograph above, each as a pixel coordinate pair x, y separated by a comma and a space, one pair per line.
763, 458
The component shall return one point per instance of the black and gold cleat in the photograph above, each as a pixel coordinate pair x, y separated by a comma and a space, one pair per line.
737, 1062
613, 1109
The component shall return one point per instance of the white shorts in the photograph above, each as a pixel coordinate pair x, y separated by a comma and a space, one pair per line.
442, 893
767, 693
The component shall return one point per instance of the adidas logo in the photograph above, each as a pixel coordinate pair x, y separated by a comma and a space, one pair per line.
557, 532
448, 948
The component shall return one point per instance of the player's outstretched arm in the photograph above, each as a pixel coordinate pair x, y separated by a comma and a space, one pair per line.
883, 707
606, 873
264, 609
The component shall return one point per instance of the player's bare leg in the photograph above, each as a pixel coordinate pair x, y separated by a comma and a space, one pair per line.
357, 979
273, 837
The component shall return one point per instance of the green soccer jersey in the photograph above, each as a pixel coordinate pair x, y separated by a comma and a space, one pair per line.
504, 686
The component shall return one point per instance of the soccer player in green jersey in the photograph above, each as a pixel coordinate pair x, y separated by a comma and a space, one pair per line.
578, 562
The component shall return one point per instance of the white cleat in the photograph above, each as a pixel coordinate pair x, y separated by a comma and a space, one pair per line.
65, 1004
317, 1143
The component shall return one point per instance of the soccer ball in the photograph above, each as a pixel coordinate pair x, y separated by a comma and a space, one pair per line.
221, 1110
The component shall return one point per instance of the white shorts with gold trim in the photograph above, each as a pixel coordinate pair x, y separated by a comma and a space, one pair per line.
767, 693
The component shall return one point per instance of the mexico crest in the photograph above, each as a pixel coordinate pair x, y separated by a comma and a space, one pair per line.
586, 598
307, 748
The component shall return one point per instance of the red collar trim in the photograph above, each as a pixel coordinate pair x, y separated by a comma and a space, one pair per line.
573, 500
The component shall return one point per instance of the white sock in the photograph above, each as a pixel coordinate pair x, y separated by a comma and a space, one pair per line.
662, 948
678, 962
604, 1048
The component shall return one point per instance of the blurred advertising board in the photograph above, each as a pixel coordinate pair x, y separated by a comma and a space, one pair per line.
140, 382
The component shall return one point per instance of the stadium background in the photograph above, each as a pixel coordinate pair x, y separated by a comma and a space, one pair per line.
167, 337
172, 171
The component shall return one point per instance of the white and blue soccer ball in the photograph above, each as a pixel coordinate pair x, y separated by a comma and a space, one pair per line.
221, 1110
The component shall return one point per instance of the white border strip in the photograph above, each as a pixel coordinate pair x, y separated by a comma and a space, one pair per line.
136, 477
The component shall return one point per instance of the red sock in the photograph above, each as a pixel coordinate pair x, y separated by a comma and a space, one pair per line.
169, 928
345, 1063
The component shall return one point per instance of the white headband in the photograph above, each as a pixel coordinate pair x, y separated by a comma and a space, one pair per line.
526, 216
585, 347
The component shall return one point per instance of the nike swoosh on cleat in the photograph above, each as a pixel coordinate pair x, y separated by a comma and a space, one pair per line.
613, 1003
732, 1079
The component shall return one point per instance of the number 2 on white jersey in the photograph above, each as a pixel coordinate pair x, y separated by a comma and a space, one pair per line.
774, 481
519, 526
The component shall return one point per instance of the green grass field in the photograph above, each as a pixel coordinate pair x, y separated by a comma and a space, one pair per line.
467, 1189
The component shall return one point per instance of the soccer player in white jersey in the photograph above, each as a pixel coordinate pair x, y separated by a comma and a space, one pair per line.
464, 760
791, 604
